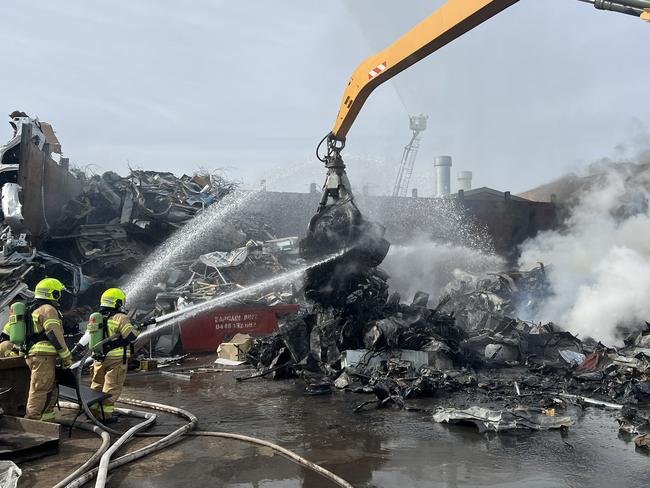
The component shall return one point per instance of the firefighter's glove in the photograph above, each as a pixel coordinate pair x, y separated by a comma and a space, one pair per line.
146, 323
66, 363
98, 356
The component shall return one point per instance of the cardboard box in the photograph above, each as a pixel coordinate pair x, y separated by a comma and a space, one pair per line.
236, 348
148, 365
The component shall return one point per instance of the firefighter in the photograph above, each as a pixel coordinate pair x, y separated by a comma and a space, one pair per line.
43, 343
114, 327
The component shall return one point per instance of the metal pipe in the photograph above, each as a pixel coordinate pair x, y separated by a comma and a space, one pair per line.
592, 401
464, 180
442, 166
631, 3
628, 3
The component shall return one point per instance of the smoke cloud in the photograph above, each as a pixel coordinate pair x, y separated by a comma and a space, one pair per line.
455, 242
600, 260
425, 265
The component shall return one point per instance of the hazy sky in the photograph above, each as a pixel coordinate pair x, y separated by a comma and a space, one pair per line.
251, 86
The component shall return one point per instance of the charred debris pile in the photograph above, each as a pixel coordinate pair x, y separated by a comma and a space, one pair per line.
117, 222
470, 350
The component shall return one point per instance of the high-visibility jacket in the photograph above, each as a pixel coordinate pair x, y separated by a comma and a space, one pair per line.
119, 324
6, 330
45, 318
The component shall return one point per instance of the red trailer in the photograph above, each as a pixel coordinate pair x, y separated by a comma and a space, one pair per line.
205, 332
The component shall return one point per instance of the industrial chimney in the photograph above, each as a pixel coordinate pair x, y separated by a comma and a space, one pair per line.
465, 180
443, 175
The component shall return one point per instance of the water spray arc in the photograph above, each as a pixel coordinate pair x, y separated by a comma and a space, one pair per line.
200, 230
183, 240
164, 322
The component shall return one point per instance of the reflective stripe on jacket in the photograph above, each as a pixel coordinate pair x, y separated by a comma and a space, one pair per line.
45, 318
119, 324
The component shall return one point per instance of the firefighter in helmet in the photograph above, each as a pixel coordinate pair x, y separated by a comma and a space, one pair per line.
111, 339
38, 329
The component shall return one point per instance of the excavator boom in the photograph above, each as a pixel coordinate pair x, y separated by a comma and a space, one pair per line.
452, 20
338, 224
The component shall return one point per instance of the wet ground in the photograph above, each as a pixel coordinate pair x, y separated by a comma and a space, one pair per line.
375, 448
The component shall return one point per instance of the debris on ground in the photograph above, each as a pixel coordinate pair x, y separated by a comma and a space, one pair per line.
642, 442
9, 474
470, 349
487, 420
483, 302
219, 272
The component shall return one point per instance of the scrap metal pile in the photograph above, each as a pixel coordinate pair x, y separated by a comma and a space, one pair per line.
471, 350
109, 224
104, 233
118, 220
149, 200
189, 282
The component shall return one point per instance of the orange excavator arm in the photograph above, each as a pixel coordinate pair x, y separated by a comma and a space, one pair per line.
452, 20
338, 222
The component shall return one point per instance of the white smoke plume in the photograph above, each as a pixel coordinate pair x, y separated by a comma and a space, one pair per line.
428, 262
600, 260
425, 265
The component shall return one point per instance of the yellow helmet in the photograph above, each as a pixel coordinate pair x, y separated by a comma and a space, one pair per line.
49, 289
113, 298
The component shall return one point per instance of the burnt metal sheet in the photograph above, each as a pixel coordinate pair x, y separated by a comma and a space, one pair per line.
11, 206
25, 439
47, 186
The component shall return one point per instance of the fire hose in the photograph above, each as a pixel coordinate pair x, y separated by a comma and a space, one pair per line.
169, 439
102, 470
92, 460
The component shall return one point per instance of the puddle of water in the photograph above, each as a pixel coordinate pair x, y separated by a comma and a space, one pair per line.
385, 448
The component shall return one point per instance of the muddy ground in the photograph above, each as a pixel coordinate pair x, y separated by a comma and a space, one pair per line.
375, 448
